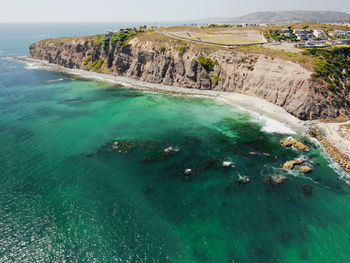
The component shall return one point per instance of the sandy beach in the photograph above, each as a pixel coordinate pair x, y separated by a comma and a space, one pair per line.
272, 117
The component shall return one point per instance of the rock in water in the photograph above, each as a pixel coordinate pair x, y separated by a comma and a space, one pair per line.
188, 171
226, 164
305, 169
274, 180
290, 141
279, 179
171, 150
243, 179
289, 165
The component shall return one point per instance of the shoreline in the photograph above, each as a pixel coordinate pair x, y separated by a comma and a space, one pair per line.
274, 119
260, 109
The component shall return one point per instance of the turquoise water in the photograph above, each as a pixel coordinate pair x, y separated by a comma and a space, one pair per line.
67, 196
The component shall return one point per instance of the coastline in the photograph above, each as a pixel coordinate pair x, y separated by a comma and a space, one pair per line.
261, 109
273, 117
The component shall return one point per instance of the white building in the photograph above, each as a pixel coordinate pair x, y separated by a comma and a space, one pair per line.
320, 34
340, 33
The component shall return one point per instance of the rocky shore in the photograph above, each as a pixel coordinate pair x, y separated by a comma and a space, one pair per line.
338, 148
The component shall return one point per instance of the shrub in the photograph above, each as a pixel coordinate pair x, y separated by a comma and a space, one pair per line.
330, 65
99, 64
87, 60
215, 79
182, 50
207, 63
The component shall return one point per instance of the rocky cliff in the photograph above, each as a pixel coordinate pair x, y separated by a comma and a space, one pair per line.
154, 58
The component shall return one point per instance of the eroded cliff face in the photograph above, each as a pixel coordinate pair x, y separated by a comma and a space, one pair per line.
154, 60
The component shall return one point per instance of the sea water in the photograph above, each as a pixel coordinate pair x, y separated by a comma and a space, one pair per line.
84, 176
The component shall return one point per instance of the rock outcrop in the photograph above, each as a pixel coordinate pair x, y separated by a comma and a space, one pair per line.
157, 59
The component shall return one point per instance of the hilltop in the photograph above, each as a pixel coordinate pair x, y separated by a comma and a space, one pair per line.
283, 17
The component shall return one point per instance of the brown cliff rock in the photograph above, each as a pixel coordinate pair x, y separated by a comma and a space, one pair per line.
281, 82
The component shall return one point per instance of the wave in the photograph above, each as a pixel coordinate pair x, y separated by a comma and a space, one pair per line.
55, 80
32, 66
343, 175
270, 125
7, 58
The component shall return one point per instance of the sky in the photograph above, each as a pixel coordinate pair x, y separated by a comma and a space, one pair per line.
149, 11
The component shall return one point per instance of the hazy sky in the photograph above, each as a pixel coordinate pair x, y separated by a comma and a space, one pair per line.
143, 10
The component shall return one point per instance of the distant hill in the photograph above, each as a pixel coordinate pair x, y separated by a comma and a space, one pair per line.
281, 17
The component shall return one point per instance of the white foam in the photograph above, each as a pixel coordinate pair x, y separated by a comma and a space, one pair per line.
55, 80
343, 175
273, 126
32, 66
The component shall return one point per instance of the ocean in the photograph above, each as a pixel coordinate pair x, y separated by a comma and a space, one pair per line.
84, 176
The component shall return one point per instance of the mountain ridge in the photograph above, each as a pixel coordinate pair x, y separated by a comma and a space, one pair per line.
280, 17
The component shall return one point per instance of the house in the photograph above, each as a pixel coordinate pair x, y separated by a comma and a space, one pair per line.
309, 36
320, 34
340, 33
249, 25
311, 45
285, 30
300, 33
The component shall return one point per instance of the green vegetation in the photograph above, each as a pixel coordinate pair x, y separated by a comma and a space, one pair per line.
96, 65
124, 36
220, 26
183, 48
215, 79
162, 50
100, 38
277, 35
87, 60
99, 64
207, 63
332, 65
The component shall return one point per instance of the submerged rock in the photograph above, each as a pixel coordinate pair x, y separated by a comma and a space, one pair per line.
269, 181
305, 169
115, 146
171, 150
279, 179
306, 189
290, 141
275, 180
243, 179
123, 147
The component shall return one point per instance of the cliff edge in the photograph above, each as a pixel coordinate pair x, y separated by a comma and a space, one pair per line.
155, 58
